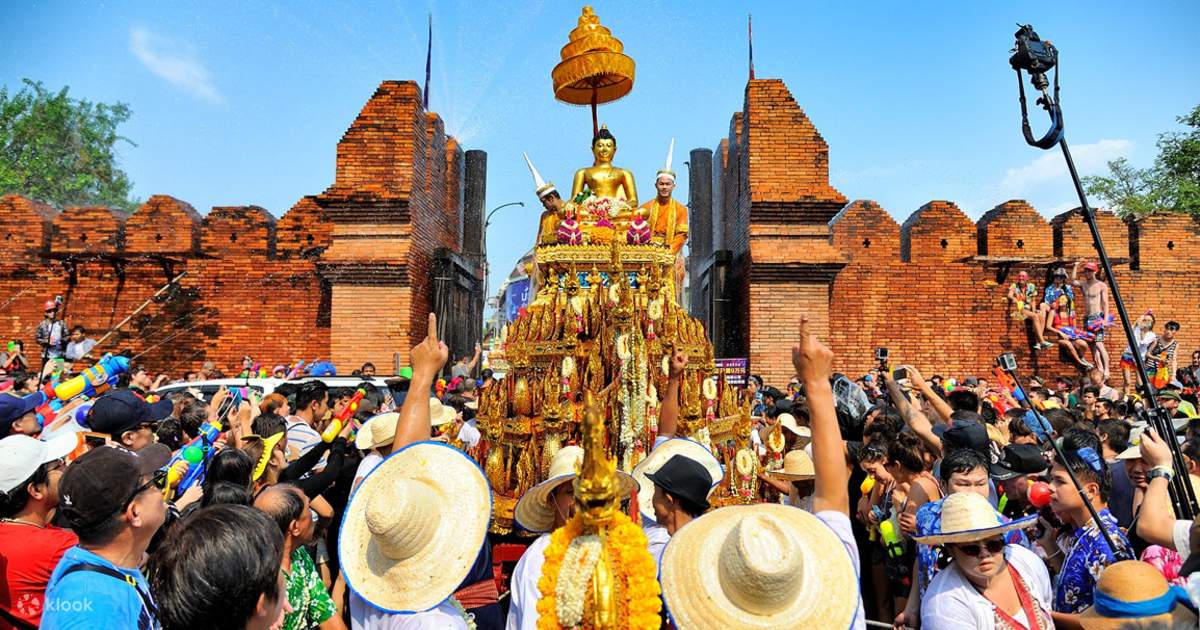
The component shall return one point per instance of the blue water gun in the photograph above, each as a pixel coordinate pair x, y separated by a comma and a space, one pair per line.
196, 454
88, 384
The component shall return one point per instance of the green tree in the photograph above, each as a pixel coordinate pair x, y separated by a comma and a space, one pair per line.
1171, 184
61, 150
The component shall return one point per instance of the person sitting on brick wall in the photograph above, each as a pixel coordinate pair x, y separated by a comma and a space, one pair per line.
1057, 288
1021, 296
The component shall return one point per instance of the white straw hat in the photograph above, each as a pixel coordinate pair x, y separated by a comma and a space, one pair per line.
414, 527
797, 466
788, 421
534, 512
377, 431
690, 449
968, 517
440, 414
758, 566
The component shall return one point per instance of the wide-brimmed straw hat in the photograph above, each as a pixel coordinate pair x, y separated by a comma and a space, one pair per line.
440, 414
968, 517
1133, 594
788, 421
758, 566
690, 449
797, 466
414, 527
377, 431
534, 511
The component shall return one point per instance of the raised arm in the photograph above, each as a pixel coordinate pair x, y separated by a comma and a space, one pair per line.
912, 416
939, 404
813, 361
475, 359
668, 417
1075, 275
427, 359
1156, 524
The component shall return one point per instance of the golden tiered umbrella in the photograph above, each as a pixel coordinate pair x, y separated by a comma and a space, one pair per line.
594, 68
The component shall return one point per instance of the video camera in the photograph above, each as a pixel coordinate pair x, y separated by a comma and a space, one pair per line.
1033, 55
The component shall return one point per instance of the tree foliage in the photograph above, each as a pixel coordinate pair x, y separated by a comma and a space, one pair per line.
61, 150
1171, 184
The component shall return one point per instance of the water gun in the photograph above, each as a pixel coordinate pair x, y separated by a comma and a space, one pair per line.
88, 384
868, 484
1007, 382
196, 454
1100, 324
295, 370
891, 540
335, 426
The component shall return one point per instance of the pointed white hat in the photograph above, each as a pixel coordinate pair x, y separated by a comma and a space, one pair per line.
666, 170
543, 187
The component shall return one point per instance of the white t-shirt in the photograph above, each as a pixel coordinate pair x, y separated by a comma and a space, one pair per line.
469, 436
367, 464
522, 613
364, 616
840, 524
952, 603
1182, 533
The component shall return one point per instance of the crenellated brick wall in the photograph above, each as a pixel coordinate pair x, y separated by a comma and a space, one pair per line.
343, 275
931, 289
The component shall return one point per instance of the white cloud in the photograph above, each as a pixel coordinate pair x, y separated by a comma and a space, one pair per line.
1051, 166
173, 62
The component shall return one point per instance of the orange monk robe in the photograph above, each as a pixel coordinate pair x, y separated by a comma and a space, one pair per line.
668, 221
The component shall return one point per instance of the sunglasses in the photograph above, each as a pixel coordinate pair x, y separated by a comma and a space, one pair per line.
993, 546
157, 480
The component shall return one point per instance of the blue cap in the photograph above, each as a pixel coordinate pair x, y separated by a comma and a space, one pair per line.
12, 407
121, 410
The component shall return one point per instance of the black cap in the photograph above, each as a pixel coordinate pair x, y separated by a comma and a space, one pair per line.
122, 410
684, 478
98, 484
1017, 460
970, 435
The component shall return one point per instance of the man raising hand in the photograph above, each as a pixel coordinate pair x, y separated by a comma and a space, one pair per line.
427, 359
813, 361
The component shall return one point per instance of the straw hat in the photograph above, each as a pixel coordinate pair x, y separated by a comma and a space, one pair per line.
797, 466
692, 450
413, 528
440, 414
968, 517
788, 421
758, 566
1131, 582
377, 431
534, 512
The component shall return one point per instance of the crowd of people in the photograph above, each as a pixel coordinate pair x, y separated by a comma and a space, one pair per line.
922, 502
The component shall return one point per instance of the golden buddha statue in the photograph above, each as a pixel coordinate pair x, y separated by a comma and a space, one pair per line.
602, 178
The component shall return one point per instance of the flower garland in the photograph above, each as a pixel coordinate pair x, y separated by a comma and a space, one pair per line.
469, 618
570, 593
633, 566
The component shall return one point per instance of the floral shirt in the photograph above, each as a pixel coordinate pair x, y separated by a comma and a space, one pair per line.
1052, 293
1167, 562
1087, 556
311, 603
929, 522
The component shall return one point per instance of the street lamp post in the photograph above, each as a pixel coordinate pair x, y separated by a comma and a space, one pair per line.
486, 222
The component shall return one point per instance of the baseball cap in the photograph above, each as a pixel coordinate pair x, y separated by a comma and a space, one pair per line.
50, 305
684, 477
20, 456
1060, 272
970, 435
1017, 460
99, 483
1170, 394
122, 410
1091, 266
12, 407
322, 368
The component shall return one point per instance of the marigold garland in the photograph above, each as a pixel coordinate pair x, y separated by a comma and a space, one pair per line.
634, 567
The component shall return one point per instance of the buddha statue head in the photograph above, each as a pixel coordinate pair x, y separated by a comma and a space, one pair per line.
604, 146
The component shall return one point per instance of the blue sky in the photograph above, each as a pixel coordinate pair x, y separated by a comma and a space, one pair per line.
243, 103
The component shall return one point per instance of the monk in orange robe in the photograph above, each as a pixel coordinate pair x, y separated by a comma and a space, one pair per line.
668, 218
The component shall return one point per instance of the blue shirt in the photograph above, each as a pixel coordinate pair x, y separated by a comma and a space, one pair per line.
929, 523
90, 600
1087, 556
1052, 293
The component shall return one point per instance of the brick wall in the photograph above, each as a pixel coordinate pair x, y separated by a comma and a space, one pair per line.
342, 275
932, 289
